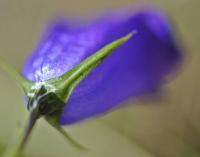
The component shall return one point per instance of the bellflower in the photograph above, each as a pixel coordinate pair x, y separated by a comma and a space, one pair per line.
139, 66
81, 70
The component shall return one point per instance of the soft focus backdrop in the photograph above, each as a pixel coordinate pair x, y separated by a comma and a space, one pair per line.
168, 127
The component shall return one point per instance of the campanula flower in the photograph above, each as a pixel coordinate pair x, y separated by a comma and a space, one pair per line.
81, 70
138, 67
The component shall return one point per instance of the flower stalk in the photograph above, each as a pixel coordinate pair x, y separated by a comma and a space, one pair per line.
18, 150
32, 121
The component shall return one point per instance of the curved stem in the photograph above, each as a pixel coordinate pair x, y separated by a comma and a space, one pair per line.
18, 149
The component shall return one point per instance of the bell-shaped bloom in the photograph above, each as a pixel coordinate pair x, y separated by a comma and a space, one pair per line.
138, 67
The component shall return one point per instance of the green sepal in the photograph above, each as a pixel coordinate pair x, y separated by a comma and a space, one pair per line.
53, 122
20, 80
66, 83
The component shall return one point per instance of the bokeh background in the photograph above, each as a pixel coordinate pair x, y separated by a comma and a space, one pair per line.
161, 128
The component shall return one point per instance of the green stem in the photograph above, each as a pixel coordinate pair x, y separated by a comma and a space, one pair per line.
32, 121
18, 149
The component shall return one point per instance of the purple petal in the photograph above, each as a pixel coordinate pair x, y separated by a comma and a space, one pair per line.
136, 68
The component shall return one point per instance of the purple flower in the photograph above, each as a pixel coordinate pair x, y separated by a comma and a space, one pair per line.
138, 67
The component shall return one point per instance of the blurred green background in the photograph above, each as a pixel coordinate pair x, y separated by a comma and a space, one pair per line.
165, 128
